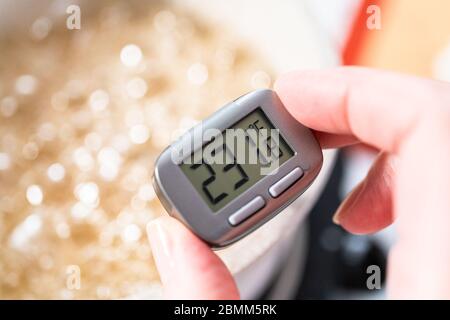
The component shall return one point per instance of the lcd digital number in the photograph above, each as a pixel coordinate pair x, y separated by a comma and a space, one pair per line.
219, 182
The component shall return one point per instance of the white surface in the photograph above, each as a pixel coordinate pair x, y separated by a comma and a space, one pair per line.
334, 18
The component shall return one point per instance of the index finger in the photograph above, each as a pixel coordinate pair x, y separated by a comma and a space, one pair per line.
377, 107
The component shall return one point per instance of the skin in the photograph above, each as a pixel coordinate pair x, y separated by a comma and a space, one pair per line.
408, 120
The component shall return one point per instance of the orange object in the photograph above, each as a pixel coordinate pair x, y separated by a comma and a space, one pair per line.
412, 34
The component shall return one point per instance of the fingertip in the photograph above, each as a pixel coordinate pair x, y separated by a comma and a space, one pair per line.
162, 246
289, 89
284, 81
187, 266
310, 97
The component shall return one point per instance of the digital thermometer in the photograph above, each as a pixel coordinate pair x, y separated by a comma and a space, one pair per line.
237, 169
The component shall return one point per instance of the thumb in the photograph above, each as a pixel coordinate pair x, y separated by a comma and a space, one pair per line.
188, 268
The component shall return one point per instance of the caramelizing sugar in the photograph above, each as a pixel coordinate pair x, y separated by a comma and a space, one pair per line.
83, 116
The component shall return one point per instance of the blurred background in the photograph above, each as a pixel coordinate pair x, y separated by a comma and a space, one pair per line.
84, 113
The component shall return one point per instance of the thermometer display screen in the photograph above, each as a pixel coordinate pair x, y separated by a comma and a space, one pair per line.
234, 161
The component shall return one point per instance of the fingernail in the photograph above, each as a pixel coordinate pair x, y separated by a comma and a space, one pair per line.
160, 243
349, 201
336, 218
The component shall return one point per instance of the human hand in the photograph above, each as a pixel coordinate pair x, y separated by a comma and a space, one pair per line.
408, 120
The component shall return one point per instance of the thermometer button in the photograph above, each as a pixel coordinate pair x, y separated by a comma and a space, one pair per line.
284, 183
246, 211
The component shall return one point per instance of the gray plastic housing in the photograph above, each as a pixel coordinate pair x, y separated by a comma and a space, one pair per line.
183, 202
